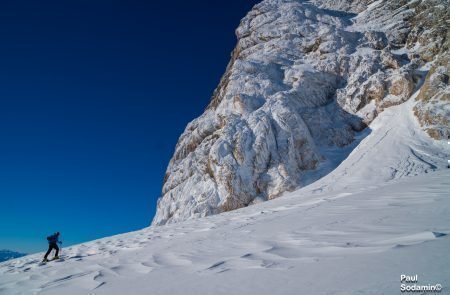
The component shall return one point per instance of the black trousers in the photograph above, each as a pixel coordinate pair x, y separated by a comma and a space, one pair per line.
52, 246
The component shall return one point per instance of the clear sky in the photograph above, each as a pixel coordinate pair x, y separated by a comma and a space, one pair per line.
93, 97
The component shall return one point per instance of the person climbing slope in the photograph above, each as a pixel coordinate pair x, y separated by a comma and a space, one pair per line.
53, 242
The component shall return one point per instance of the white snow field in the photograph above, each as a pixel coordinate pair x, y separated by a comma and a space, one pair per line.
384, 212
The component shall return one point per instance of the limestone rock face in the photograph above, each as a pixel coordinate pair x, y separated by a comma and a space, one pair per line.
429, 39
433, 108
304, 78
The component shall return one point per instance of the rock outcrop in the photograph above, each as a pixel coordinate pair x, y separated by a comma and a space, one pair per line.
303, 77
433, 108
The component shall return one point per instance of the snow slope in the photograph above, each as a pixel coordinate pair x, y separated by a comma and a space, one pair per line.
354, 231
396, 148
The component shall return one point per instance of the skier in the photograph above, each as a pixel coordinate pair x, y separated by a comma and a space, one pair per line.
52, 244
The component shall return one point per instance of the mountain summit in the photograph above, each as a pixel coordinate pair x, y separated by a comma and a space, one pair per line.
306, 79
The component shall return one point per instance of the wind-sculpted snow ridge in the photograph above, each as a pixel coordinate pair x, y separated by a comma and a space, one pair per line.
304, 79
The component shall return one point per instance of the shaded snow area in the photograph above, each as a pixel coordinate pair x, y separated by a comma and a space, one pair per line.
384, 212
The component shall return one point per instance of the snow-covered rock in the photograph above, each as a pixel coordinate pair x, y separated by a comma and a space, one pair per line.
433, 109
304, 78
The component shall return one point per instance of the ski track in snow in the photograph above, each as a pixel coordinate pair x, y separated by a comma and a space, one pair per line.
352, 232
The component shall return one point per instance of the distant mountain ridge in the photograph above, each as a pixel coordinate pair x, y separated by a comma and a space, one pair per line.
8, 254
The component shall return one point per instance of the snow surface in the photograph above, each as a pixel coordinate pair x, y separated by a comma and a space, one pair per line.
354, 231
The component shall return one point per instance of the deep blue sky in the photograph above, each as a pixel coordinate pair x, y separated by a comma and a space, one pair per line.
93, 97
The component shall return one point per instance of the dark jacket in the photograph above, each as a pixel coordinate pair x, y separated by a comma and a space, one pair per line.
53, 239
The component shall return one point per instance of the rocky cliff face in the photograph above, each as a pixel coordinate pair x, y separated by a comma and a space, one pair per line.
304, 77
